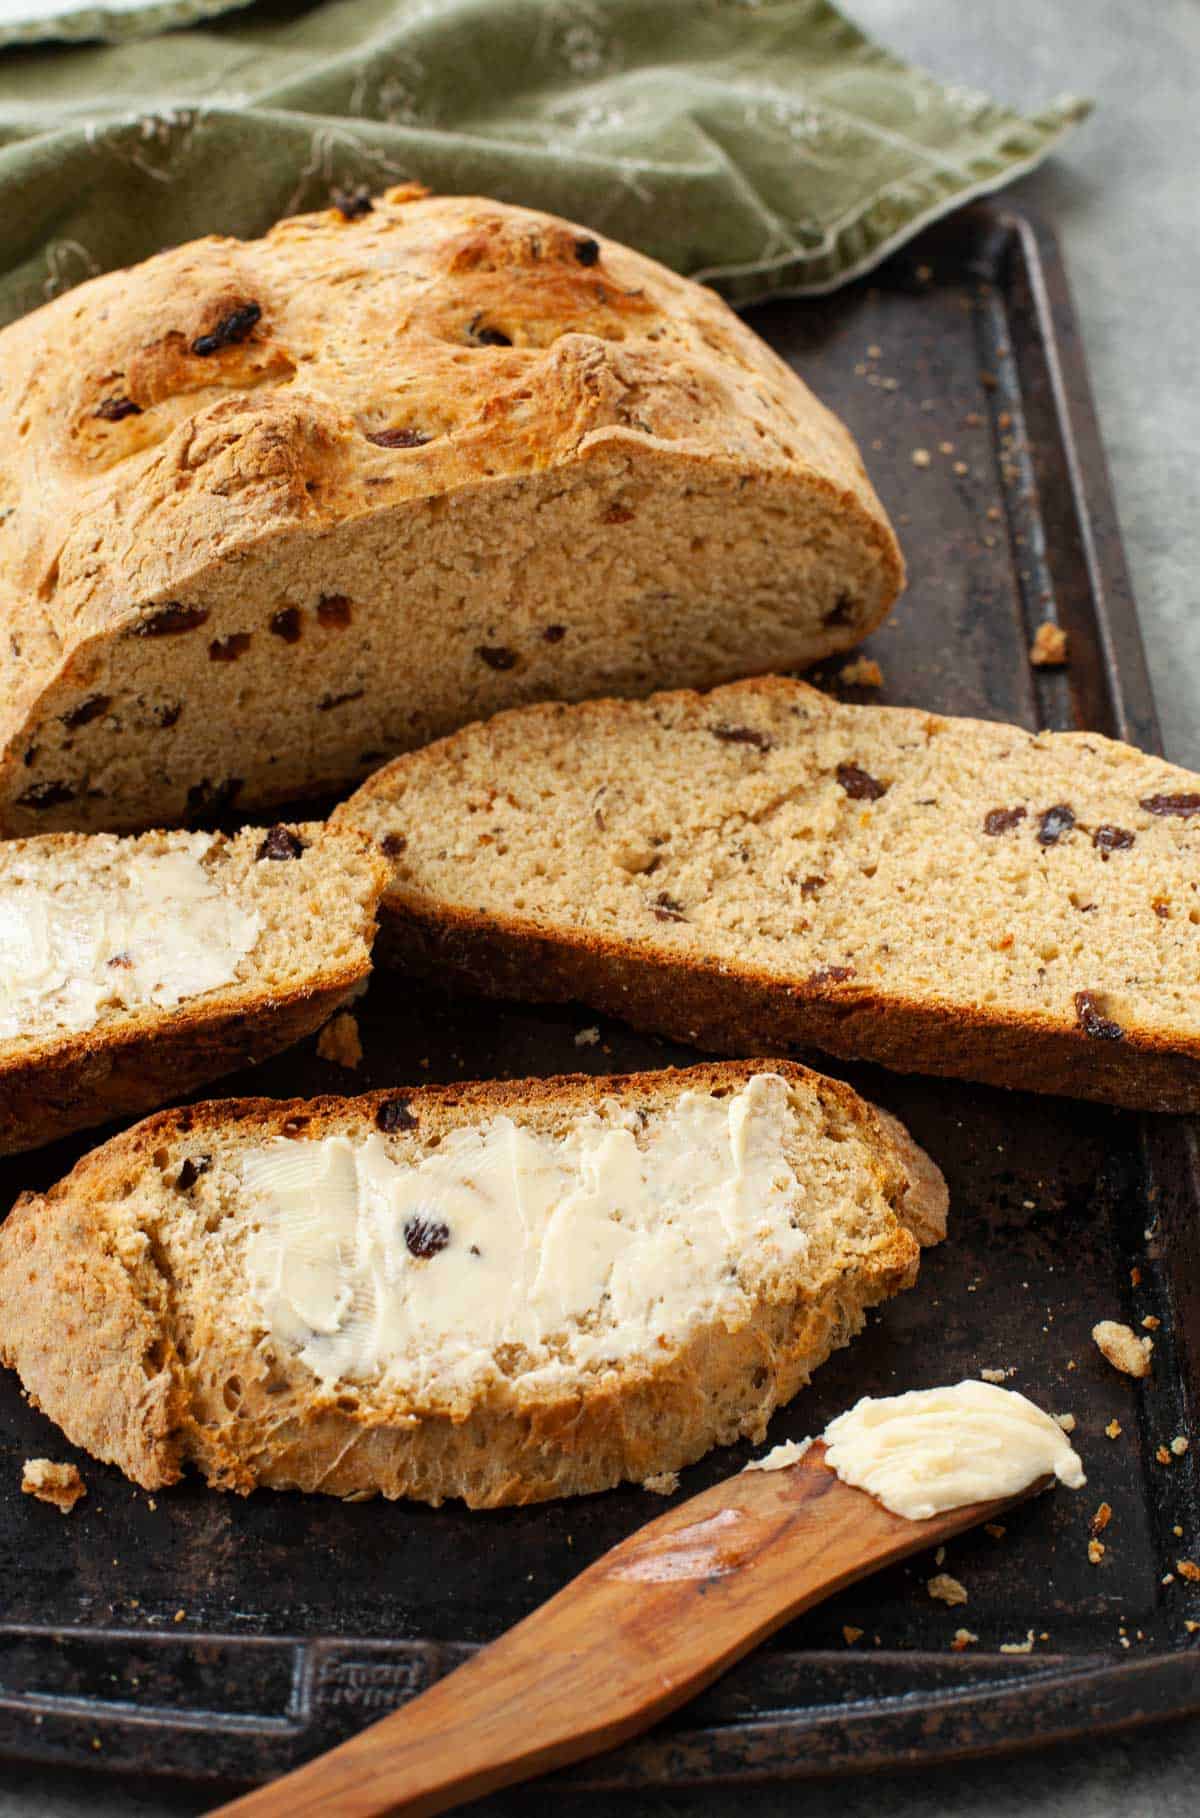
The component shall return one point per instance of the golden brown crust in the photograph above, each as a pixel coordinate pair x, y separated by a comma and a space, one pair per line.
225, 400
88, 1079
724, 1012
283, 1431
82, 1325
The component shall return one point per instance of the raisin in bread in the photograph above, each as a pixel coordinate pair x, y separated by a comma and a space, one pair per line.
762, 867
365, 479
132, 970
502, 1292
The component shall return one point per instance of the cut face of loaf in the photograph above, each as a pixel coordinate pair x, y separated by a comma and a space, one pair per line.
764, 868
133, 970
502, 1292
276, 510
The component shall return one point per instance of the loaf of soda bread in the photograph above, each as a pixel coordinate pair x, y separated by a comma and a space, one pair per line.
133, 970
763, 868
501, 1292
272, 511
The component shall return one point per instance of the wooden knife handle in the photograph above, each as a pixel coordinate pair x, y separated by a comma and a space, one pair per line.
638, 1633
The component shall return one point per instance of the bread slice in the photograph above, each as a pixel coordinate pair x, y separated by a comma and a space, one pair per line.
762, 868
343, 1294
132, 970
377, 475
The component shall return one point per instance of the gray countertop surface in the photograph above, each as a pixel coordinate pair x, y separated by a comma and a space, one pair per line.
1123, 197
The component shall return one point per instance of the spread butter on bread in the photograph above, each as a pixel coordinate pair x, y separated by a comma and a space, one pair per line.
501, 1292
133, 970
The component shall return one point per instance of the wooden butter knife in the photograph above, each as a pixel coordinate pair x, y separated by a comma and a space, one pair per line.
638, 1633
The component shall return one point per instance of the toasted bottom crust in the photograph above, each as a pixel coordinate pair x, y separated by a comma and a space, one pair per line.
743, 1011
87, 1080
91, 1323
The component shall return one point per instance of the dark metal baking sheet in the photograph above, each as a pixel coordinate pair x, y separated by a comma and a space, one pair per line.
213, 1637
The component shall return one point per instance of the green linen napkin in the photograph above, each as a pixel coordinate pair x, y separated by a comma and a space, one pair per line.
766, 148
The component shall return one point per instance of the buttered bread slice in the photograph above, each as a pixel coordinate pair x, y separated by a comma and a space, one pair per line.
763, 868
501, 1292
133, 970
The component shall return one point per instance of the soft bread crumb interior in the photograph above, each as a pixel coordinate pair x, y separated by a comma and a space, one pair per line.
765, 827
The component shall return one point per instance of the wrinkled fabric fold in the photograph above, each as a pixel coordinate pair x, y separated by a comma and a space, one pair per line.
768, 149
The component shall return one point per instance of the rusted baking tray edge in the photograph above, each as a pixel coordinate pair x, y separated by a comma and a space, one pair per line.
232, 1707
992, 1703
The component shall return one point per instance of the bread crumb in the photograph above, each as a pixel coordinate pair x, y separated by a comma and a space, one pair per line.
1150, 1323
1161, 1455
945, 448
874, 352
851, 1635
961, 469
60, 1484
1179, 1445
1101, 1518
587, 1038
995, 1375
1191, 1627
1135, 1276
962, 1639
1018, 1647
339, 1041
1187, 1568
921, 457
1113, 1429
1167, 1578
1177, 1531
863, 672
662, 1483
996, 1529
947, 1589
1122, 1347
1096, 1551
1049, 647
787, 1452
1066, 1422
179, 1615
939, 1557
151, 1505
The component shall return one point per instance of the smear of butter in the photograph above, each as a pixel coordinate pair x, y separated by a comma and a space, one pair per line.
703, 1550
937, 1449
789, 1452
152, 929
572, 1251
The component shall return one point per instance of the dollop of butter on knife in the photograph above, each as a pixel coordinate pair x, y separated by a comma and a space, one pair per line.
937, 1449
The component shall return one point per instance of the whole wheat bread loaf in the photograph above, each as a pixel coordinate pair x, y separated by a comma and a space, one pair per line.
765, 868
271, 511
133, 970
140, 1299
